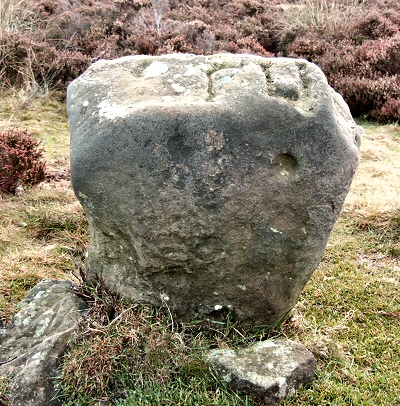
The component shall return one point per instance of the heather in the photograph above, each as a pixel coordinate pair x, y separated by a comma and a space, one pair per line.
20, 160
46, 44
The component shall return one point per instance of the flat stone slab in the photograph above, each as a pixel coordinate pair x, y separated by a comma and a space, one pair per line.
32, 344
210, 183
270, 370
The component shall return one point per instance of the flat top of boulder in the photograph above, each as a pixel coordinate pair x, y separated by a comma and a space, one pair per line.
130, 83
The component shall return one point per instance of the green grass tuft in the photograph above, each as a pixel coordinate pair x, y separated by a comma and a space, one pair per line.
133, 353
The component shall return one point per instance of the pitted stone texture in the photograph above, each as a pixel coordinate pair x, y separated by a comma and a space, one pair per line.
31, 346
211, 183
270, 370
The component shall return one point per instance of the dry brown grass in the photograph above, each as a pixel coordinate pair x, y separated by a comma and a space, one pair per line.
43, 232
376, 186
319, 15
15, 15
46, 118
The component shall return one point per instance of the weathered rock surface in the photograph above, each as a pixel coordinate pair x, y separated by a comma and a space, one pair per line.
270, 370
211, 183
31, 346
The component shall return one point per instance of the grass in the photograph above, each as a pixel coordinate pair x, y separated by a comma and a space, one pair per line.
140, 353
319, 15
46, 118
18, 18
348, 315
44, 231
15, 16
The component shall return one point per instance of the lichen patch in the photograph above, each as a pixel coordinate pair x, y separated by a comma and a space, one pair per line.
155, 69
111, 111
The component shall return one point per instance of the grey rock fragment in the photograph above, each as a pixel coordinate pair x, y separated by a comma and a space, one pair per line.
270, 370
32, 344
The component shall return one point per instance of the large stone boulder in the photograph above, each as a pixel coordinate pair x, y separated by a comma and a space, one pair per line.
210, 183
